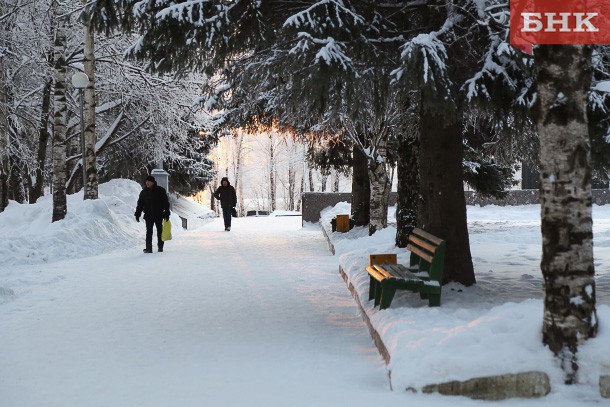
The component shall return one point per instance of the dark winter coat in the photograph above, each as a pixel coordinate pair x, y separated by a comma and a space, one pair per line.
226, 195
153, 202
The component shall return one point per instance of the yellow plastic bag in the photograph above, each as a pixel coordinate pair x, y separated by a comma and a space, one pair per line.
166, 233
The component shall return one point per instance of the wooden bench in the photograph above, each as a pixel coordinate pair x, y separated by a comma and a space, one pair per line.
424, 273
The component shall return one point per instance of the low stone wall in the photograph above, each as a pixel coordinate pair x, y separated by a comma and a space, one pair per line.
315, 202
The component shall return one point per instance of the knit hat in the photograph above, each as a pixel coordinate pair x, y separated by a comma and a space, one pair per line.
151, 178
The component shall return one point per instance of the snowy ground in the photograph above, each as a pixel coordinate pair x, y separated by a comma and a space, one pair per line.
257, 316
491, 328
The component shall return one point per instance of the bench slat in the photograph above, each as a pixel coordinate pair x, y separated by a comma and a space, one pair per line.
427, 236
381, 268
375, 273
402, 273
425, 256
423, 244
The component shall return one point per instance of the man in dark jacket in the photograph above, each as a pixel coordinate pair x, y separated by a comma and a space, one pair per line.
153, 201
228, 200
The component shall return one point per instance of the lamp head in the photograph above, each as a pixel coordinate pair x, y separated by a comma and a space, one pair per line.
80, 80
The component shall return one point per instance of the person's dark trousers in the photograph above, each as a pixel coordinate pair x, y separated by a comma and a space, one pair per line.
158, 223
226, 214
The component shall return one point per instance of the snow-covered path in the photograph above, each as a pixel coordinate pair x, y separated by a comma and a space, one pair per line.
257, 316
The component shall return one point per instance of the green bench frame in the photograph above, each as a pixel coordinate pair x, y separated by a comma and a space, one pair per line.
424, 273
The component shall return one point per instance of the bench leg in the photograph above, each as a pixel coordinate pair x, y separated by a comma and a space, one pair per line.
387, 294
423, 296
378, 291
372, 286
434, 300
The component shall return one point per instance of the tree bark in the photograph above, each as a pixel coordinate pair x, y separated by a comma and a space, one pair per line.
407, 189
442, 209
563, 81
16, 183
335, 181
89, 155
272, 186
361, 188
4, 122
310, 175
380, 188
239, 152
43, 140
292, 179
60, 207
301, 188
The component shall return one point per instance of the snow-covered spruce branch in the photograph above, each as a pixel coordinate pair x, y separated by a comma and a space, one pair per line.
428, 51
307, 18
490, 69
180, 12
330, 52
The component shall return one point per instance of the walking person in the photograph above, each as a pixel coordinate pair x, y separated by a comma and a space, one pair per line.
225, 193
153, 201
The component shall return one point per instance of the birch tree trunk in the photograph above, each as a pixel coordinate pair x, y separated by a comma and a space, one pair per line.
335, 181
291, 183
43, 140
310, 175
272, 185
211, 189
301, 188
563, 81
324, 181
380, 188
60, 117
89, 155
239, 152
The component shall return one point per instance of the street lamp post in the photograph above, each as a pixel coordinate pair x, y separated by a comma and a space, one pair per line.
80, 81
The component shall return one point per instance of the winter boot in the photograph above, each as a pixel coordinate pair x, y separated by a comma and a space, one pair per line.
160, 247
147, 250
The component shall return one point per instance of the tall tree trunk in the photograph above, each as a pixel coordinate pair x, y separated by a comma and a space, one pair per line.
361, 188
291, 184
302, 188
407, 189
43, 140
310, 175
4, 119
442, 209
335, 181
239, 171
324, 181
272, 186
563, 81
212, 199
89, 156
60, 206
16, 183
380, 188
